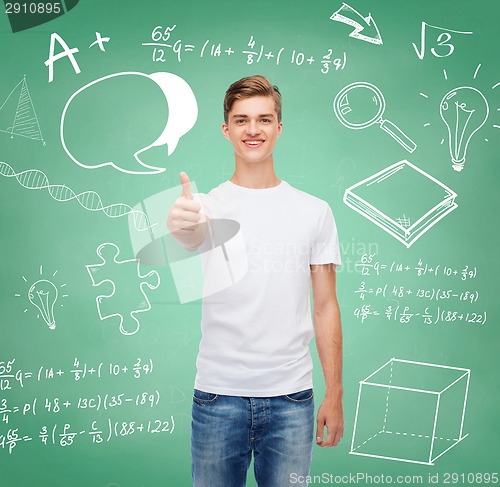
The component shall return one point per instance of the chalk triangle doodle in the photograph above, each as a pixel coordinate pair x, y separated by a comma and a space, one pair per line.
25, 122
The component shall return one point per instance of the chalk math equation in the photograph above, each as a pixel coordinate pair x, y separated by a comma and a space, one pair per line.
64, 436
165, 46
444, 296
370, 265
430, 316
431, 294
11, 375
56, 404
59, 402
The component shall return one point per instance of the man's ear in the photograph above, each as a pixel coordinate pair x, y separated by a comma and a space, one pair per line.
280, 128
225, 130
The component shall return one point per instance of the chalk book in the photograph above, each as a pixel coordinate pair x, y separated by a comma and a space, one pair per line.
403, 200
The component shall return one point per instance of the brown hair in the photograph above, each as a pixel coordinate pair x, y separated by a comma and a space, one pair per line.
248, 87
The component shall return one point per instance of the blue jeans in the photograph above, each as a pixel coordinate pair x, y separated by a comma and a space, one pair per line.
227, 429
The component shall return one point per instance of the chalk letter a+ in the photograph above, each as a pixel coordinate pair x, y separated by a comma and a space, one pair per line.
67, 52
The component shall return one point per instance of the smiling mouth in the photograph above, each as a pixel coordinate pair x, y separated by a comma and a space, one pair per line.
253, 143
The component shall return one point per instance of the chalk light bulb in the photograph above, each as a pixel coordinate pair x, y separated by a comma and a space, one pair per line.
464, 111
43, 295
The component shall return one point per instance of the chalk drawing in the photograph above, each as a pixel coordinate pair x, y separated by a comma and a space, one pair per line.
410, 411
25, 122
361, 105
100, 41
443, 46
464, 111
403, 200
90, 200
365, 28
129, 272
182, 116
43, 295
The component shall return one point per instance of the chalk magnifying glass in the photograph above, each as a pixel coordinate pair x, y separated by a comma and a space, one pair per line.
361, 105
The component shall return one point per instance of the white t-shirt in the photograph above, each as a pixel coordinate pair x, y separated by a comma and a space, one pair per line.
255, 333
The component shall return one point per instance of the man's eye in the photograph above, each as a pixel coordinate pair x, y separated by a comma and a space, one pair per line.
240, 121
266, 120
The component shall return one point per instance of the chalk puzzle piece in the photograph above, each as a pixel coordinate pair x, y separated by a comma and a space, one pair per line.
131, 301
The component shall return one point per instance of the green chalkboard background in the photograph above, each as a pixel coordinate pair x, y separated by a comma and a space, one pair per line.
43, 238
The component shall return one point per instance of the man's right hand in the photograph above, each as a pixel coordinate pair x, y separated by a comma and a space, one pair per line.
184, 218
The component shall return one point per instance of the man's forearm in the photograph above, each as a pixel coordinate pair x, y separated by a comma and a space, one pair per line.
329, 346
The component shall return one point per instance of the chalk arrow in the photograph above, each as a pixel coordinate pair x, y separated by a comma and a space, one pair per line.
367, 25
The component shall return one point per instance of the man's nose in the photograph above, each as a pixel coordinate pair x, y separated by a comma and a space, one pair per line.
252, 127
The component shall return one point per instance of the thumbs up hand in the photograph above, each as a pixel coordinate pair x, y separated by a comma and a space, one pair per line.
184, 219
186, 186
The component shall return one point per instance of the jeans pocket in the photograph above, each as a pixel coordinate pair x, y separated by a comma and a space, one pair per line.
201, 397
301, 396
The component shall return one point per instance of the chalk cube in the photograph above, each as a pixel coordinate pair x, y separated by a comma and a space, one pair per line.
410, 411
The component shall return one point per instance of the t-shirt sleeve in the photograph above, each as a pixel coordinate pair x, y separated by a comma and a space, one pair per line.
325, 249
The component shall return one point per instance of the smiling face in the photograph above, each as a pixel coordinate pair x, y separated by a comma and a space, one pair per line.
253, 128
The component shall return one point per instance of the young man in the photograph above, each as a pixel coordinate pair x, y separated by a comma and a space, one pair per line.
253, 389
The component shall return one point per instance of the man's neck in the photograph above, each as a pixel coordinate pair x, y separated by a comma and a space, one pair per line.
255, 176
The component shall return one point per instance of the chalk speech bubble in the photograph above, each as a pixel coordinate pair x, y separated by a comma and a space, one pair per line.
85, 132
